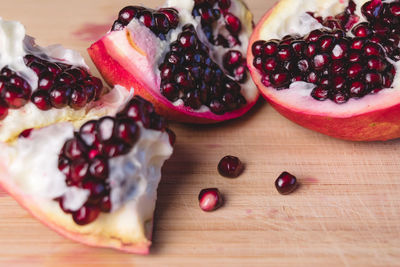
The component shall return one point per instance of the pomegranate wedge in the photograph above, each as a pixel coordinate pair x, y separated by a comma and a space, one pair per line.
187, 58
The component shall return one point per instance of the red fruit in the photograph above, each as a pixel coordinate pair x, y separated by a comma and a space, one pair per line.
193, 92
210, 199
286, 183
352, 96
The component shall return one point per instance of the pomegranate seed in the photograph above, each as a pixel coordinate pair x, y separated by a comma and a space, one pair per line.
340, 98
46, 81
230, 166
354, 70
64, 165
257, 62
172, 16
59, 97
310, 50
338, 82
257, 47
285, 53
73, 149
210, 199
187, 39
326, 42
286, 183
298, 47
79, 170
270, 64
357, 43
320, 61
371, 49
362, 30
88, 133
78, 98
217, 107
303, 65
231, 59
270, 49
337, 67
375, 63
127, 130
113, 149
128, 13
354, 56
373, 78
314, 36
340, 49
357, 89
14, 97
233, 24
170, 91
41, 99
320, 93
85, 215
280, 79
312, 77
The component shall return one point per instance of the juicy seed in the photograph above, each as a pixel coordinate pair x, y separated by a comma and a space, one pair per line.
210, 199
286, 183
230, 166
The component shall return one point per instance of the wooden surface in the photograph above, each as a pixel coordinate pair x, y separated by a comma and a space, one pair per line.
346, 212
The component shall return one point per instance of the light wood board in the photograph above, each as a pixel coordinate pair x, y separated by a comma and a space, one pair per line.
346, 212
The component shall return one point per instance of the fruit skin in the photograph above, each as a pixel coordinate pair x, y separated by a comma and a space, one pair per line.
113, 64
49, 215
380, 124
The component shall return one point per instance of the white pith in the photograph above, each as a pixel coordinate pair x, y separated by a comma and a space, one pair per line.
156, 49
32, 167
288, 17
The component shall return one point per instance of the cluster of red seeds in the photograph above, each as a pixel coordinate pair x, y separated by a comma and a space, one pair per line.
84, 159
210, 11
160, 22
59, 85
188, 73
325, 57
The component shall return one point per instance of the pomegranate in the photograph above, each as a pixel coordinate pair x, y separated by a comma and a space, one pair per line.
39, 86
188, 58
331, 66
210, 199
84, 161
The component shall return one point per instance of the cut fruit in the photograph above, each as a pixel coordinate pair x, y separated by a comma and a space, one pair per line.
331, 66
84, 162
187, 58
77, 182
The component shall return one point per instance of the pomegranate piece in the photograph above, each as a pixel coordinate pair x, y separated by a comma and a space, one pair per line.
230, 166
325, 49
286, 183
85, 159
203, 55
210, 199
364, 51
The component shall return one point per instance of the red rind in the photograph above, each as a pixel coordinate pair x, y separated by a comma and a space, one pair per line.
376, 125
104, 55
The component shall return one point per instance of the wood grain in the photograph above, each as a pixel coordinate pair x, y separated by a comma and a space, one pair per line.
346, 212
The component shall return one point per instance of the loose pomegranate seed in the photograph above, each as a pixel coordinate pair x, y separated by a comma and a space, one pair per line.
230, 166
210, 199
286, 183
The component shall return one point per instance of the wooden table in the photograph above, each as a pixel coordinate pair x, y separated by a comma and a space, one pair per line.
346, 212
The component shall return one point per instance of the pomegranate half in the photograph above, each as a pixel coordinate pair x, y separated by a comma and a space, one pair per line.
331, 66
187, 58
